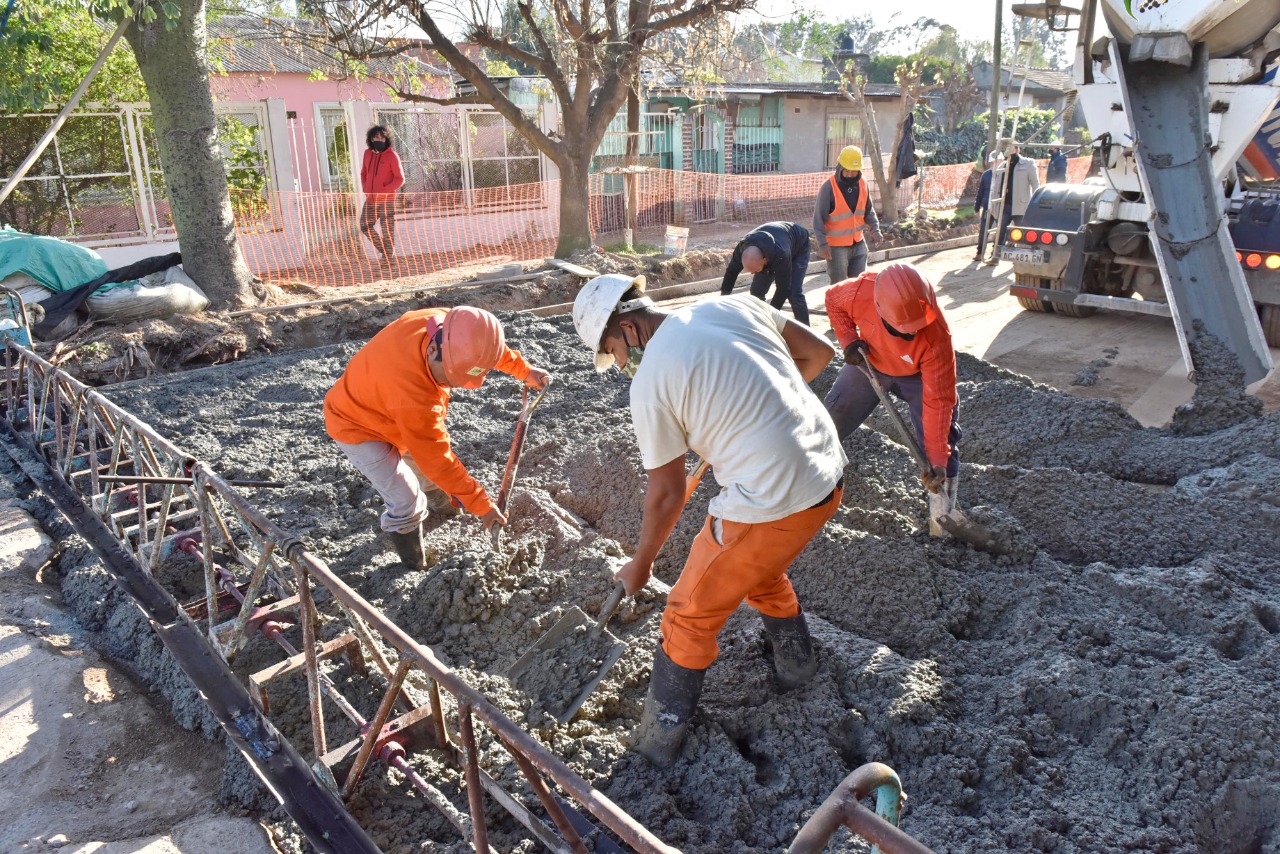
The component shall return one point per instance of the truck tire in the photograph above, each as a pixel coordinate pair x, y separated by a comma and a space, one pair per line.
1074, 310
1028, 303
1270, 317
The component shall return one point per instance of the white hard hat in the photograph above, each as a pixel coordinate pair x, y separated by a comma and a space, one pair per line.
596, 303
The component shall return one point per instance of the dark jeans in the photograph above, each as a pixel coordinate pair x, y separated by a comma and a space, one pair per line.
982, 232
369, 217
847, 262
1006, 218
799, 307
852, 399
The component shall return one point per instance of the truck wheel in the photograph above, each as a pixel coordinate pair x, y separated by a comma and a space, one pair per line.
1028, 303
1270, 316
1074, 310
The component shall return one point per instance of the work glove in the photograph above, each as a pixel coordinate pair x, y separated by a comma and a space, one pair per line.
934, 478
856, 354
876, 238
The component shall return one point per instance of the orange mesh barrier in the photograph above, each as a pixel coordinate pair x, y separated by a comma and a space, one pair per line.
315, 238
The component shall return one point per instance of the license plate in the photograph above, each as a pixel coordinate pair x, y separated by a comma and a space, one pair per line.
1024, 256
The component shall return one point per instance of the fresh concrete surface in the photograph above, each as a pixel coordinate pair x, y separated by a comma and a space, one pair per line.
1146, 374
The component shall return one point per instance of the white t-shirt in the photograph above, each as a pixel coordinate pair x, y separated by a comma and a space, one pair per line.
717, 377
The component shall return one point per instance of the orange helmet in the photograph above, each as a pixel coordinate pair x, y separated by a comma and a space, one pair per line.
473, 344
905, 299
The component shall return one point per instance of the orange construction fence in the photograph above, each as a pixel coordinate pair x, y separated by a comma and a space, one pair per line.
315, 238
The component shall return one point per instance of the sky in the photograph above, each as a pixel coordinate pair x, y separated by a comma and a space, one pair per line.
973, 19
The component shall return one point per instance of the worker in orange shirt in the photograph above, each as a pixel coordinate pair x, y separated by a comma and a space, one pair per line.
889, 322
387, 411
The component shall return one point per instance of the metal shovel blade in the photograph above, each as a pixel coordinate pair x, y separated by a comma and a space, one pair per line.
960, 526
561, 665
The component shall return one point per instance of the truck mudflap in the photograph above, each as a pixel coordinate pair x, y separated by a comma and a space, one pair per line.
1055, 297
1204, 283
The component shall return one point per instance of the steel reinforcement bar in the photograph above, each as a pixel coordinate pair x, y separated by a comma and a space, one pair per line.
260, 580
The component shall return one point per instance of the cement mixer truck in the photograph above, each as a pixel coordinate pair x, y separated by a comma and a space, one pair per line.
1184, 219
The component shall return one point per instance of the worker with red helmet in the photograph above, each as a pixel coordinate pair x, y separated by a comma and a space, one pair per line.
387, 411
890, 323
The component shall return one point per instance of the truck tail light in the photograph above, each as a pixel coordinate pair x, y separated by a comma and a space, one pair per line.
1061, 239
1239, 256
1032, 236
1273, 262
1046, 238
1016, 234
1253, 260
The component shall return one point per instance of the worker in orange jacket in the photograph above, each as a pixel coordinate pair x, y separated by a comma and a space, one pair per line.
387, 411
890, 323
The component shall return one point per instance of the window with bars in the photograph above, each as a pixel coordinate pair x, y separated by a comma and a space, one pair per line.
335, 150
842, 129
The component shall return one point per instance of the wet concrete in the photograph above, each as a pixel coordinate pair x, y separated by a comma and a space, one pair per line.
1108, 686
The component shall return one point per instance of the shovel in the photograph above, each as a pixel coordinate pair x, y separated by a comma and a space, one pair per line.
575, 654
954, 522
513, 459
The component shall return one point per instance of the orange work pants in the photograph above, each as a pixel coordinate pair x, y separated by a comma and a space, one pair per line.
750, 563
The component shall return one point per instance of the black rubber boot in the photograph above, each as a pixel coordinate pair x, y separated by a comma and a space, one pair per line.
673, 695
793, 657
409, 547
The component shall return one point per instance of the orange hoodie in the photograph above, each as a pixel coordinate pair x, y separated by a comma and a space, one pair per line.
852, 309
387, 394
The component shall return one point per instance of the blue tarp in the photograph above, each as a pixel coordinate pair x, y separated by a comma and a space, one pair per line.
56, 264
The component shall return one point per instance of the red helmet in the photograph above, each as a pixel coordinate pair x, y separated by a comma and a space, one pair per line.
905, 299
473, 344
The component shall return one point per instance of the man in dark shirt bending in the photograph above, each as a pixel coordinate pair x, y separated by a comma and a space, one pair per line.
774, 253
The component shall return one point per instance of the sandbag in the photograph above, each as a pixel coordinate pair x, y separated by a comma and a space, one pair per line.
158, 295
26, 287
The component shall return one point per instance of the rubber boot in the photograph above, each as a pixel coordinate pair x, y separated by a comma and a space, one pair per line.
793, 657
409, 547
439, 502
673, 695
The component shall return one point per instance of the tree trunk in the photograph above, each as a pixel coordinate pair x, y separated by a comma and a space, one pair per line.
633, 156
888, 193
176, 74
575, 205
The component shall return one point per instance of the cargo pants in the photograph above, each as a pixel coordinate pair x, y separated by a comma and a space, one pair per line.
730, 562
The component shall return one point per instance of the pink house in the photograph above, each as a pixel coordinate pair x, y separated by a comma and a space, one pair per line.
310, 107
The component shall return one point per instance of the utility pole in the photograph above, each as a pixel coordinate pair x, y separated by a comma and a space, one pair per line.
993, 123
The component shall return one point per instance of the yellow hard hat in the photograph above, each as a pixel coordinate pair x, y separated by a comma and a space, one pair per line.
850, 158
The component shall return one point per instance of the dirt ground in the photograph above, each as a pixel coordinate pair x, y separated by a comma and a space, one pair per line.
1109, 686
103, 353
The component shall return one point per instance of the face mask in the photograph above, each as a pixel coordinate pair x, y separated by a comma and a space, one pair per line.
905, 336
634, 355
378, 146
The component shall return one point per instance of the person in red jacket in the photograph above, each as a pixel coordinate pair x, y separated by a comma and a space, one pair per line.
387, 410
380, 177
890, 323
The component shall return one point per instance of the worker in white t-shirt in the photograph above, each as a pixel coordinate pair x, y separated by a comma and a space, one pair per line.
728, 379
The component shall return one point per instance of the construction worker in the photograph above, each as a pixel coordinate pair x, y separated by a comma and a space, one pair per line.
889, 322
381, 176
776, 252
982, 203
387, 412
1057, 171
841, 216
727, 378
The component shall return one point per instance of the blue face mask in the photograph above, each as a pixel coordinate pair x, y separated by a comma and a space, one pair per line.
634, 355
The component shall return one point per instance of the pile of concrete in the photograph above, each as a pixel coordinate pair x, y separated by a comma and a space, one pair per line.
1108, 685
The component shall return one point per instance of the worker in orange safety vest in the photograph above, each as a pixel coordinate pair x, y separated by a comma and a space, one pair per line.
387, 412
890, 323
842, 216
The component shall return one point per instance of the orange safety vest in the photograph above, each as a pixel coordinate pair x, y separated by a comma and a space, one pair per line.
844, 226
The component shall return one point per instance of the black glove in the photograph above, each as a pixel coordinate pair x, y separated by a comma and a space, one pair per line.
856, 353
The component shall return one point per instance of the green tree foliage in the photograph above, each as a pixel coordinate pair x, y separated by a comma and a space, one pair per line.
965, 144
45, 51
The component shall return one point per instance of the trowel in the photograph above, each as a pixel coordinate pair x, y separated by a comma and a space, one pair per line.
513, 459
575, 631
954, 522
